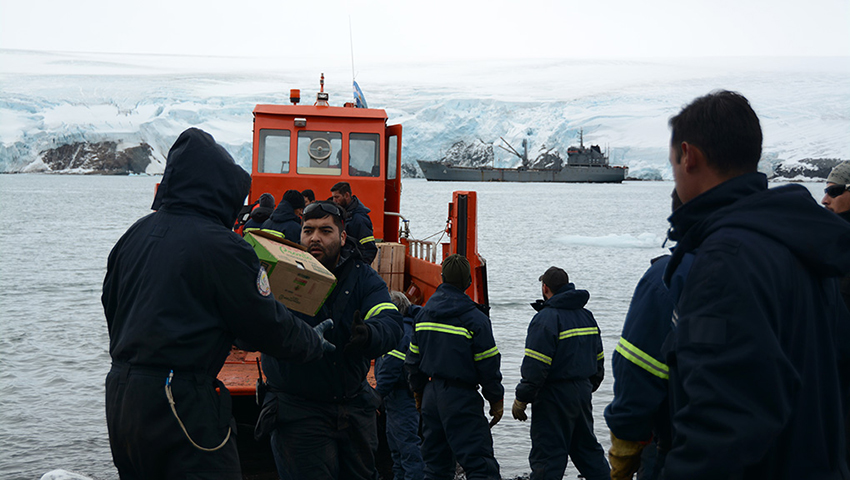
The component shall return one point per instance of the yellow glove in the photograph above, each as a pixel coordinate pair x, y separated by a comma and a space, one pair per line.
497, 409
624, 456
518, 410
417, 397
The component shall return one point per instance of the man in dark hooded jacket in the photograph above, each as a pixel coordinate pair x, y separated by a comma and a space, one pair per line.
286, 218
358, 225
180, 288
758, 346
451, 353
563, 365
324, 412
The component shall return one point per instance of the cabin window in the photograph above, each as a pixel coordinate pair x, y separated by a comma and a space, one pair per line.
273, 153
319, 153
364, 155
392, 157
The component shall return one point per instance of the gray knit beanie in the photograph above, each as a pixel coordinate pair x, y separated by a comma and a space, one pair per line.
840, 174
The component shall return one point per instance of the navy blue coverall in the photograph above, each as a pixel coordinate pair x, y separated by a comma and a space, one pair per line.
640, 411
402, 416
758, 353
453, 345
180, 288
358, 226
563, 364
324, 412
284, 220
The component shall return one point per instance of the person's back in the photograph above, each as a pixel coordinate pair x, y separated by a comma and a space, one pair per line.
757, 343
261, 212
285, 218
180, 288
453, 352
562, 366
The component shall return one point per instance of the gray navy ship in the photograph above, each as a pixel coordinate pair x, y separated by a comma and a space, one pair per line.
584, 164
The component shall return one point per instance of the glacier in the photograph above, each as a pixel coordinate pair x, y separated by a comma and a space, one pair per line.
54, 99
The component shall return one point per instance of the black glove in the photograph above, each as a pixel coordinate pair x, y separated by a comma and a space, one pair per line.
361, 335
320, 331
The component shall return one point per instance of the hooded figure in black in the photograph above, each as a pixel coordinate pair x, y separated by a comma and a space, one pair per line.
180, 288
286, 218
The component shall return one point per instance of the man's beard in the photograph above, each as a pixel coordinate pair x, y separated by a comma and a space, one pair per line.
329, 255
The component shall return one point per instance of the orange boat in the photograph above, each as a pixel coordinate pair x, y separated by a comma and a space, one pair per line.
315, 146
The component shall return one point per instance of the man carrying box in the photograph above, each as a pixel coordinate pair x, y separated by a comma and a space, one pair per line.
323, 412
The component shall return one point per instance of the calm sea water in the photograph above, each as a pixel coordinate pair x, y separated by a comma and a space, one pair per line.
59, 231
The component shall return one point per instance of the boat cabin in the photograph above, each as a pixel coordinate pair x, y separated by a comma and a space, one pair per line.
315, 146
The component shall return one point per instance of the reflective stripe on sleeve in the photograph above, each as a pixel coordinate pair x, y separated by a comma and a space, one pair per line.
600, 356
414, 348
574, 332
443, 328
397, 354
486, 354
380, 308
642, 359
366, 240
538, 356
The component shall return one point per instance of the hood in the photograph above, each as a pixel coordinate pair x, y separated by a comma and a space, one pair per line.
356, 207
788, 215
284, 213
261, 214
448, 301
566, 298
201, 177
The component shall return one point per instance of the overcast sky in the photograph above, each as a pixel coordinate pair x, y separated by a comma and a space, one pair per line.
432, 29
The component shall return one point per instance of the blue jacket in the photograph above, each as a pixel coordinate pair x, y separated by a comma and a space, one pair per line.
358, 226
340, 376
181, 286
285, 221
758, 352
453, 340
563, 343
640, 406
389, 369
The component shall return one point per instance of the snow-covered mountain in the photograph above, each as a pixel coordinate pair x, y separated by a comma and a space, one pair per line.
81, 112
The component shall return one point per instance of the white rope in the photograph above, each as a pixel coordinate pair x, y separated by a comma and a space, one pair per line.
174, 410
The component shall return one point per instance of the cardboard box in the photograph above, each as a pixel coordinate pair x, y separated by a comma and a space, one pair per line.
389, 263
297, 280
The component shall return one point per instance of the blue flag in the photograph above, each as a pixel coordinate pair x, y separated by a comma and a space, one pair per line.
359, 99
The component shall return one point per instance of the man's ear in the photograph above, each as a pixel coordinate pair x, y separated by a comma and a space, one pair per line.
692, 157
343, 236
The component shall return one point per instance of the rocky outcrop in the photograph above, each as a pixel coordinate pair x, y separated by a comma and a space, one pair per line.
474, 154
98, 158
409, 170
807, 168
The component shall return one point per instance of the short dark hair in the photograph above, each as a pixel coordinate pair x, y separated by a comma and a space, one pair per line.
308, 194
323, 209
341, 187
724, 127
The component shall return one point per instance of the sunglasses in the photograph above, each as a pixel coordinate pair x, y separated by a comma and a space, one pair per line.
835, 190
329, 208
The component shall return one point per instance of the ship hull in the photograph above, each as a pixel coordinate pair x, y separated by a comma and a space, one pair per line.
438, 172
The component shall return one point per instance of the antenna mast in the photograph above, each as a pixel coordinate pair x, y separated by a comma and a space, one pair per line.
351, 43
